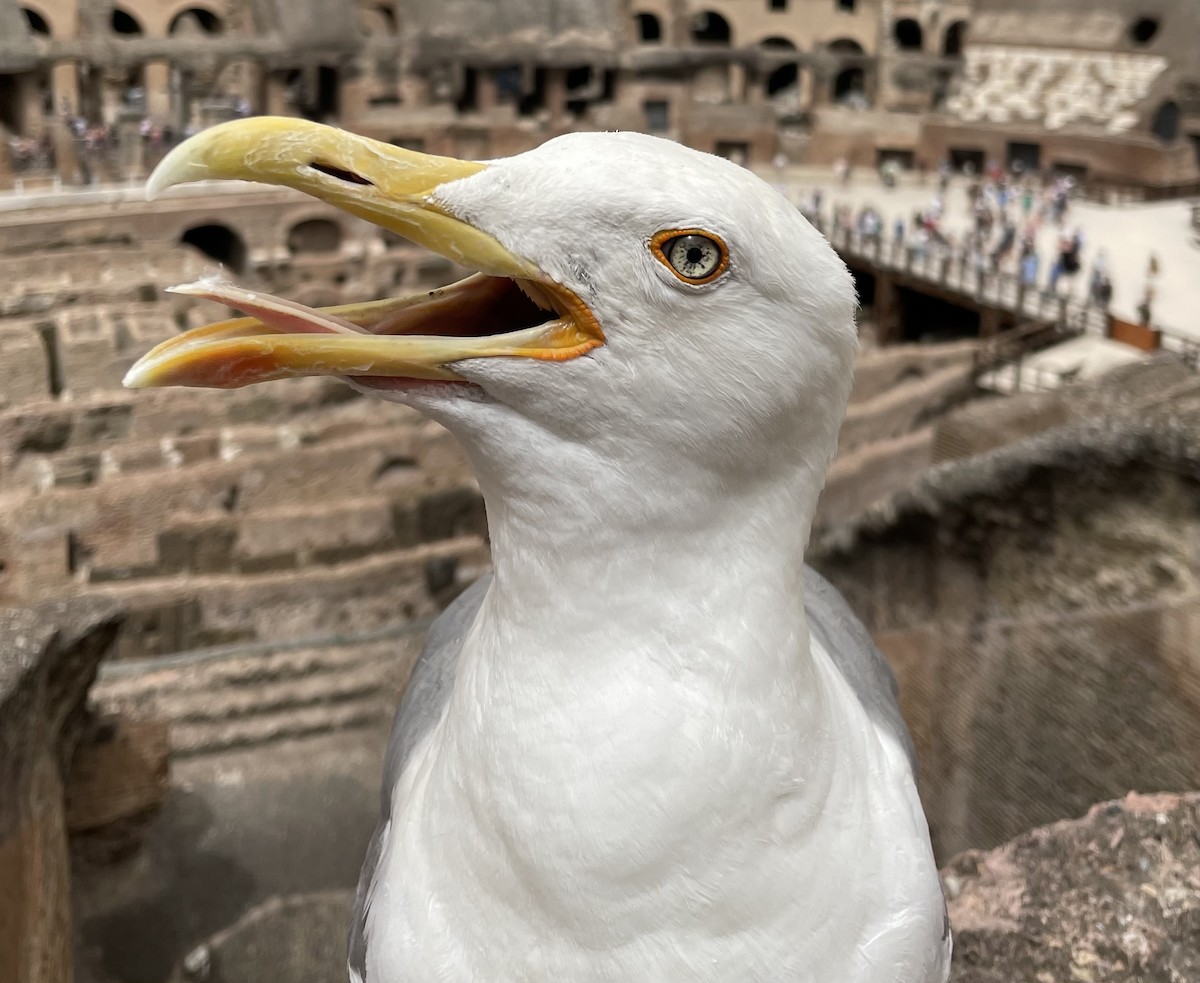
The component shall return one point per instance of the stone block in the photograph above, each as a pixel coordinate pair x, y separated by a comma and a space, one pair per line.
199, 546
48, 659
24, 367
34, 564
87, 353
448, 514
326, 534
119, 772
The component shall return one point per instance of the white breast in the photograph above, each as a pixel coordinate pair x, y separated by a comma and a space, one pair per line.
693, 834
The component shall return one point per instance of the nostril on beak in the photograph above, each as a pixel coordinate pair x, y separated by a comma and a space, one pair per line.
342, 175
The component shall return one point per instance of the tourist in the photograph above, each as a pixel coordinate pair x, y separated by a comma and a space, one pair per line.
1008, 239
1029, 268
1100, 288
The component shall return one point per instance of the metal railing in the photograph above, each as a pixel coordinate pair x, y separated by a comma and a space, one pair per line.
958, 272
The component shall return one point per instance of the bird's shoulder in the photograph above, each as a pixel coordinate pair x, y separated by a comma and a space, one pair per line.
835, 627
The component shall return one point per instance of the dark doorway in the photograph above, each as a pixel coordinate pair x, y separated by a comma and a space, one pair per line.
909, 35
1166, 122
123, 22
658, 115
37, 23
1143, 30
196, 19
956, 34
468, 96
1026, 156
931, 319
734, 150
649, 28
967, 158
905, 159
709, 27
328, 94
10, 106
783, 79
218, 242
534, 101
849, 83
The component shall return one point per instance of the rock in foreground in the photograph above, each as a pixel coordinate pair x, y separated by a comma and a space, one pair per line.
1113, 897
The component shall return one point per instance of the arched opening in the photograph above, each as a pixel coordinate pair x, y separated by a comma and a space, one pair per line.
1143, 30
123, 22
778, 6
709, 27
195, 20
846, 6
578, 82
37, 23
218, 242
649, 28
908, 34
1166, 121
386, 16
783, 79
956, 34
849, 84
314, 94
845, 46
534, 101
315, 235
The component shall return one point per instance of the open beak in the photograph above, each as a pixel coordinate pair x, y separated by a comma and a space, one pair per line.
509, 308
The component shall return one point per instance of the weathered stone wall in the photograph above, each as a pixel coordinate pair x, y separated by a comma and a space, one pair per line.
1113, 896
1042, 608
48, 658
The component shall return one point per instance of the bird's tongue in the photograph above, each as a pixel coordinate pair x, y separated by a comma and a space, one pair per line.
284, 316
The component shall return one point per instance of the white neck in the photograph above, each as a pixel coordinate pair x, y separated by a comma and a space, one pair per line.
638, 727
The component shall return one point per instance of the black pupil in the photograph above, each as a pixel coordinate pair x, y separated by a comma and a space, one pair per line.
695, 254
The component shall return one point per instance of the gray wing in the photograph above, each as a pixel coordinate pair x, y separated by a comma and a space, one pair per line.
849, 644
420, 708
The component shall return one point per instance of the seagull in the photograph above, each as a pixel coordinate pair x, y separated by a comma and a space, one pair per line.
651, 745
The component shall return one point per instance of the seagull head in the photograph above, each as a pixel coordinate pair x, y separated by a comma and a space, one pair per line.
639, 309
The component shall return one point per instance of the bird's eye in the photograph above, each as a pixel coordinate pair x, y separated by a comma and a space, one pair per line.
694, 256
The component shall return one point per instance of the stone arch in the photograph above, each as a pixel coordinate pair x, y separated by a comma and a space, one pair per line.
122, 21
955, 37
845, 46
848, 80
1165, 124
219, 242
379, 19
196, 17
59, 15
709, 27
648, 27
909, 34
39, 24
782, 78
1143, 30
317, 235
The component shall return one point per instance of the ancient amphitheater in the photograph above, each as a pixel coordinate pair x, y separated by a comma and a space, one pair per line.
210, 601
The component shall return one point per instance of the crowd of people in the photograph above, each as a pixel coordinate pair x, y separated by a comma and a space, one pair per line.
1011, 215
95, 139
